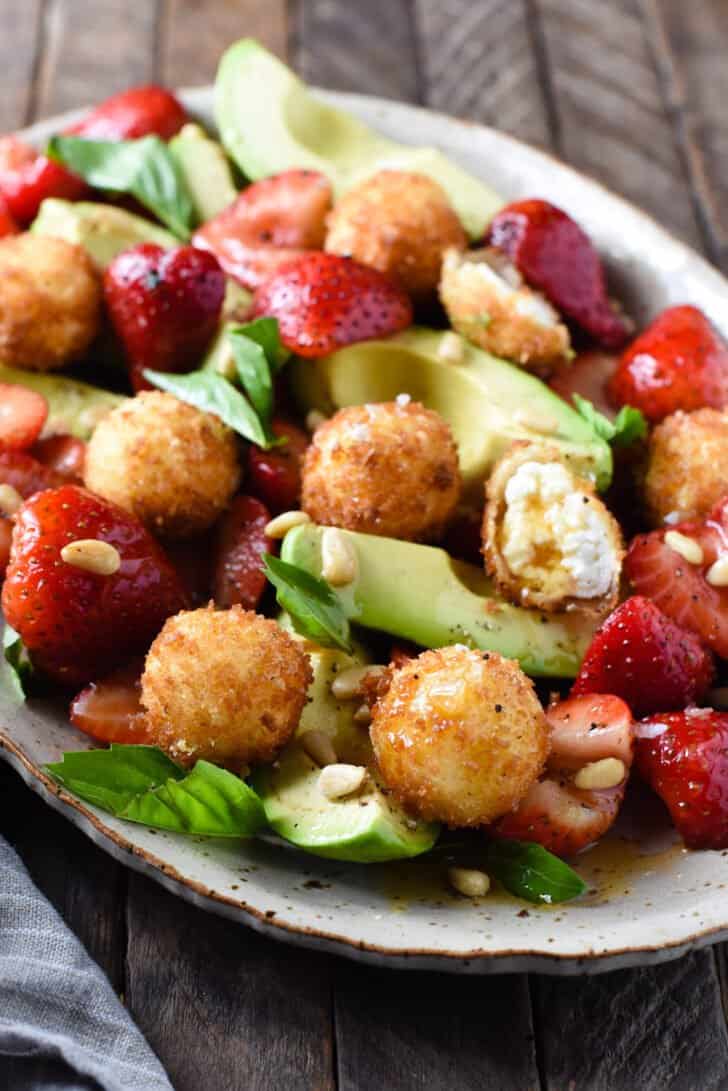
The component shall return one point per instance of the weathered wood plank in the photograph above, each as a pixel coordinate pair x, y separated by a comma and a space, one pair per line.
19, 41
658, 1029
193, 34
221, 1006
434, 1031
368, 47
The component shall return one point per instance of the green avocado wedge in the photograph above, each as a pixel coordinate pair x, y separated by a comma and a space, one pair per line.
366, 828
420, 593
269, 122
73, 406
205, 169
487, 402
102, 230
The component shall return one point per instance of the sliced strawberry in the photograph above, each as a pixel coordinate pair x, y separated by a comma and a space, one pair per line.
78, 625
642, 656
555, 255
63, 454
680, 588
8, 225
6, 535
111, 710
27, 178
241, 541
683, 756
270, 223
678, 362
588, 375
324, 302
274, 476
23, 412
131, 114
27, 474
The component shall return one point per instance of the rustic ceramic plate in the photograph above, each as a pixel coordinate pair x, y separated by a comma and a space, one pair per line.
649, 901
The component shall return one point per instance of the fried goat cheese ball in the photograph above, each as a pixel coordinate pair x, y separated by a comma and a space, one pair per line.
488, 302
50, 302
460, 736
549, 542
389, 469
400, 223
227, 686
687, 466
171, 465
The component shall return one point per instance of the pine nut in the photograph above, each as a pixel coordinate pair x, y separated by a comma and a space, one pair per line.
536, 422
347, 685
403, 400
688, 548
314, 420
339, 781
674, 517
363, 715
469, 882
451, 347
287, 520
717, 574
718, 698
10, 500
319, 747
92, 555
338, 557
607, 773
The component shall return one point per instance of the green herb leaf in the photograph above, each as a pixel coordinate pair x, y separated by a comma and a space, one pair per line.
141, 784
629, 426
265, 332
212, 393
314, 608
20, 668
529, 871
254, 372
145, 168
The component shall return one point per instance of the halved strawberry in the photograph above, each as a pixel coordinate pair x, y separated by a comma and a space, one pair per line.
678, 362
8, 225
27, 474
642, 656
23, 412
681, 589
27, 178
588, 375
274, 476
272, 221
324, 302
683, 756
62, 453
241, 541
6, 536
111, 710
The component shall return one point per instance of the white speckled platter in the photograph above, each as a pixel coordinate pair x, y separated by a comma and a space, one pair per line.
648, 902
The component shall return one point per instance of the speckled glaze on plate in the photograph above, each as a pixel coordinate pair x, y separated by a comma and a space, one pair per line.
648, 901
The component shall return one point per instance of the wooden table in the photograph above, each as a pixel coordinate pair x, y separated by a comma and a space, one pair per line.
632, 91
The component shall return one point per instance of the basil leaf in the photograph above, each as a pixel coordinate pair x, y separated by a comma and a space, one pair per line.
265, 332
141, 784
145, 168
254, 371
16, 657
529, 871
629, 426
314, 608
212, 393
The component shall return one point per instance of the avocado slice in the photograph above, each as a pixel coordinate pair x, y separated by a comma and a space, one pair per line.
73, 406
102, 230
206, 171
487, 402
269, 122
365, 828
421, 593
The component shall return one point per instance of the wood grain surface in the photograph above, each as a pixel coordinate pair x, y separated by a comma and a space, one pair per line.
631, 91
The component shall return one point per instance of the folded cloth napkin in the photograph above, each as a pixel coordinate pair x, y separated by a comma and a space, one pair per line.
62, 1027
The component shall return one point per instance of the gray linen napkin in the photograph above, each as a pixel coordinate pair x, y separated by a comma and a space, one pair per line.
62, 1027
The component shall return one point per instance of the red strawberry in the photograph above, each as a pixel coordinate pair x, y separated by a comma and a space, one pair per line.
642, 656
111, 710
555, 255
62, 453
271, 222
241, 540
27, 474
683, 756
27, 178
79, 625
274, 476
679, 362
164, 305
588, 375
128, 115
8, 225
23, 413
679, 588
6, 535
323, 302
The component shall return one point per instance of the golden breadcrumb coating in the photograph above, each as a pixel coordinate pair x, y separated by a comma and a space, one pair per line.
389, 469
228, 686
50, 302
488, 303
171, 465
399, 222
687, 465
460, 736
549, 542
